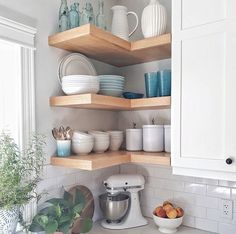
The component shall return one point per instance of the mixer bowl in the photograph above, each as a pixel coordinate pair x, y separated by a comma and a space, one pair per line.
114, 207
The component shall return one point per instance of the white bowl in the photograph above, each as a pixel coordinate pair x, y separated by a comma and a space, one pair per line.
82, 148
82, 135
80, 89
100, 146
111, 92
115, 133
80, 78
115, 144
167, 225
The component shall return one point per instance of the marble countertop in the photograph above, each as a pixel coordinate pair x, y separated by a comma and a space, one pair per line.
151, 228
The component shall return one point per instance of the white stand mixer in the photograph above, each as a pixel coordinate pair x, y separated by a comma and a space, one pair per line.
131, 184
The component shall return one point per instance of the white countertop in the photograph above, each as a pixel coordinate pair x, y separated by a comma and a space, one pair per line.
151, 228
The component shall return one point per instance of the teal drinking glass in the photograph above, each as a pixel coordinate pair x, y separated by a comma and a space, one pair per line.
164, 82
151, 83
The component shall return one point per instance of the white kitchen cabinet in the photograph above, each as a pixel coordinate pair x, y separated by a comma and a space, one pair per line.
204, 88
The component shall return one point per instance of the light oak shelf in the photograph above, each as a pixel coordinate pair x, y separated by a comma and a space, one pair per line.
96, 101
104, 46
108, 159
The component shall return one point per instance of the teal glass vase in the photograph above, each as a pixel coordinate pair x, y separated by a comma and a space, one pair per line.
100, 18
73, 17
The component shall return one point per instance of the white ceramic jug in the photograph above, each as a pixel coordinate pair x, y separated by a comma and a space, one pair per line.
120, 25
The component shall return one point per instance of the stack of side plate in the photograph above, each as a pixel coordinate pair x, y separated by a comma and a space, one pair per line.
111, 85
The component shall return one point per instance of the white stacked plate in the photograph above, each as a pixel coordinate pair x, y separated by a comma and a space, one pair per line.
102, 141
116, 139
111, 85
80, 84
82, 143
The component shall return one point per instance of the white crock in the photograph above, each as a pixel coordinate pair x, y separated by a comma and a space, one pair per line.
9, 219
134, 139
154, 19
153, 138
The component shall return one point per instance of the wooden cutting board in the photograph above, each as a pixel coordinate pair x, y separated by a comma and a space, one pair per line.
88, 210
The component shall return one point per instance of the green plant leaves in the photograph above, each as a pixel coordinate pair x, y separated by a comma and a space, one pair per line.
65, 227
60, 201
78, 208
35, 227
87, 225
51, 227
79, 197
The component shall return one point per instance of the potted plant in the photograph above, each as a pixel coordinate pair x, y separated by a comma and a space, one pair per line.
19, 175
61, 214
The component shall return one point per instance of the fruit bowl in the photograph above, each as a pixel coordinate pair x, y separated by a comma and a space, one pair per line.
167, 225
168, 217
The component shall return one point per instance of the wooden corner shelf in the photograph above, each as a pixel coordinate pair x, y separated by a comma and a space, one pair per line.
96, 101
106, 47
98, 161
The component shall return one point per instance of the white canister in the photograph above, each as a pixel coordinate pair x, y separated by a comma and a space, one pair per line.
134, 139
167, 138
153, 138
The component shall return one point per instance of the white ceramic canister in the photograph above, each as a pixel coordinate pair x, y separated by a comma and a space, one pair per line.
167, 138
134, 139
154, 19
153, 138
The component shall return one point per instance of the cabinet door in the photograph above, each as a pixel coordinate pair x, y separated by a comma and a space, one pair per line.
204, 86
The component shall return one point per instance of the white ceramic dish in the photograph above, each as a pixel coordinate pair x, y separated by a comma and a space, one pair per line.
100, 146
82, 148
115, 143
167, 225
75, 64
80, 90
81, 135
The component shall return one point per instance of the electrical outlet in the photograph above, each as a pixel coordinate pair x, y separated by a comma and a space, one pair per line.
227, 209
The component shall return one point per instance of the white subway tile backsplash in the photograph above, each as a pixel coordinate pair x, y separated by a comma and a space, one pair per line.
195, 188
189, 221
233, 195
227, 183
216, 191
206, 225
186, 198
194, 210
164, 194
128, 169
213, 214
210, 202
206, 181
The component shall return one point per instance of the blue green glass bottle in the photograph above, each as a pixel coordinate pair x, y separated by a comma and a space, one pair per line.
73, 17
100, 19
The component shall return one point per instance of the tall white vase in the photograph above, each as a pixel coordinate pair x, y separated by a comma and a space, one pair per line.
154, 19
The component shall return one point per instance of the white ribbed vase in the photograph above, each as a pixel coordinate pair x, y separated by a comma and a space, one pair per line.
9, 220
154, 19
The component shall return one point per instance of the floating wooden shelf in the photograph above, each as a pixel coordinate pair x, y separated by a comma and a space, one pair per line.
97, 161
96, 101
104, 46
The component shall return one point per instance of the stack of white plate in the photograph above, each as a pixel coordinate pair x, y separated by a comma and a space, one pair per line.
116, 139
80, 84
82, 143
111, 85
102, 141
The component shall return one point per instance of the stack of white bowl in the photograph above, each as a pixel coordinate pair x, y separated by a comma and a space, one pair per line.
80, 84
102, 141
82, 143
116, 139
112, 85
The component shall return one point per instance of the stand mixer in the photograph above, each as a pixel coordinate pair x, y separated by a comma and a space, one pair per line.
120, 204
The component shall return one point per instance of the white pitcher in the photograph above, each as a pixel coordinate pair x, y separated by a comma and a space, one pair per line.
120, 25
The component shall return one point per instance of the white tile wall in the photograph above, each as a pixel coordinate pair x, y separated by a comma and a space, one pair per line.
201, 198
